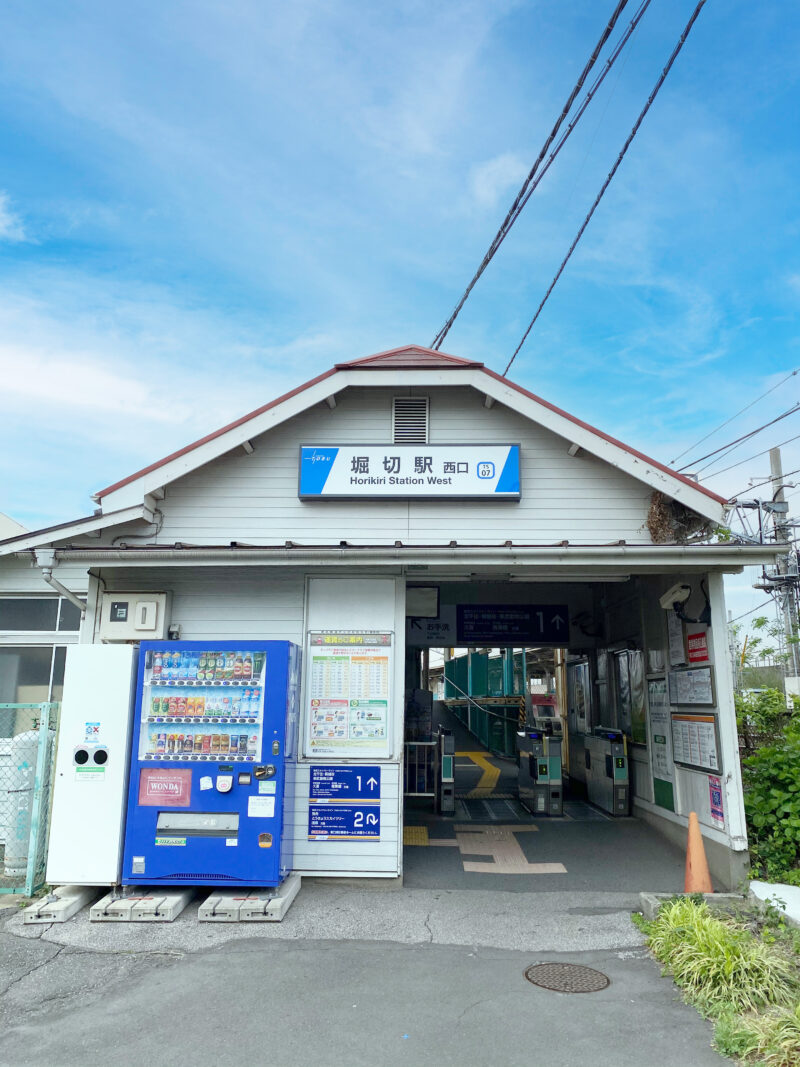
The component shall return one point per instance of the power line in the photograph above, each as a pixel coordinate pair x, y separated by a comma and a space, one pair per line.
766, 481
739, 440
756, 456
611, 174
526, 192
722, 425
750, 612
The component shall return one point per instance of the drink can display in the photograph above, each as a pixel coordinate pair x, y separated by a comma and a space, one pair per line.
190, 706
188, 743
219, 670
234, 744
224, 743
157, 665
155, 706
242, 744
244, 707
215, 742
181, 705
201, 666
247, 668
230, 659
255, 702
173, 706
206, 742
226, 706
258, 665
252, 745
198, 742
161, 744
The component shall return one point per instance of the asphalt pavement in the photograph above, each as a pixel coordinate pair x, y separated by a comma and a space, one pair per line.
350, 977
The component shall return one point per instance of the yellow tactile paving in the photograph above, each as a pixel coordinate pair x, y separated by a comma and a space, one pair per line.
489, 778
500, 843
415, 835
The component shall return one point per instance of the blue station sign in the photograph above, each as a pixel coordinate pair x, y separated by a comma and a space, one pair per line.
345, 783
343, 822
346, 472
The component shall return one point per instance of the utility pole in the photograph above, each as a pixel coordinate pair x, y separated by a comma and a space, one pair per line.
786, 569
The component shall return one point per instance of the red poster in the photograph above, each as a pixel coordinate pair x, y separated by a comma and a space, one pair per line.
698, 647
165, 789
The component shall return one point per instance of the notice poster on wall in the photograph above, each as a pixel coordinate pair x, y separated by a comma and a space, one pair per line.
661, 743
348, 691
693, 686
715, 800
694, 741
677, 653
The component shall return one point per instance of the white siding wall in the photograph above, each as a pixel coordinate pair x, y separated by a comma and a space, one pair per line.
221, 602
242, 497
17, 576
230, 603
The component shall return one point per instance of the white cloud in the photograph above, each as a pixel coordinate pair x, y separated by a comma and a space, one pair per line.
491, 180
11, 227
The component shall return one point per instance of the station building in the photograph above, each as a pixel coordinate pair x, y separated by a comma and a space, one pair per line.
423, 498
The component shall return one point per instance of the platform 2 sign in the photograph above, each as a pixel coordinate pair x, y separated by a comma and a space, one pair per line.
344, 822
345, 783
500, 624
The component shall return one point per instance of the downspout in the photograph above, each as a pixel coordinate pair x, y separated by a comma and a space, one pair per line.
45, 560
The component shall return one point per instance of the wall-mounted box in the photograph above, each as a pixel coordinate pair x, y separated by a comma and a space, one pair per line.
134, 616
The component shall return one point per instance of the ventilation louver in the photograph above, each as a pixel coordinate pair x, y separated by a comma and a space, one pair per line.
410, 420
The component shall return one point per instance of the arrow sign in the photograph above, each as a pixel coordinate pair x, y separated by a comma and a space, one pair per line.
335, 783
512, 624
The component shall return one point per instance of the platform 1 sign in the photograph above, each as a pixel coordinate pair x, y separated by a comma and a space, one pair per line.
514, 624
344, 822
347, 472
345, 783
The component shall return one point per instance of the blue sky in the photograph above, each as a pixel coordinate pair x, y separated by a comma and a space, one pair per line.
203, 204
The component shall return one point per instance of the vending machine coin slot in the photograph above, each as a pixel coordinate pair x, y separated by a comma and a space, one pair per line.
198, 823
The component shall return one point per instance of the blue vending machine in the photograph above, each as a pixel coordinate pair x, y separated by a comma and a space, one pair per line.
215, 725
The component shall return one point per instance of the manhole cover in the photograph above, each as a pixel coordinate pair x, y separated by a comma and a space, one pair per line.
567, 977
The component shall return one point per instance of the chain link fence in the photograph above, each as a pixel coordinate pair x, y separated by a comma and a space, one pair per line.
27, 748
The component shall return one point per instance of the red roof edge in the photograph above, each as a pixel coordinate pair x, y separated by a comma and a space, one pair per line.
355, 364
390, 352
211, 436
606, 437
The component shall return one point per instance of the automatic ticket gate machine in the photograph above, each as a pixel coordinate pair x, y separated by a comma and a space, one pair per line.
540, 766
607, 778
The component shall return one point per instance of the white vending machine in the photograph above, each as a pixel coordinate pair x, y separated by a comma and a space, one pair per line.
92, 762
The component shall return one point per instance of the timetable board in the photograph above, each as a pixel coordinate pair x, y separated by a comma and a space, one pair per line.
348, 693
695, 741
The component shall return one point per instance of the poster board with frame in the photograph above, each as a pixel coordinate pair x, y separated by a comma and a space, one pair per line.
695, 741
347, 702
692, 687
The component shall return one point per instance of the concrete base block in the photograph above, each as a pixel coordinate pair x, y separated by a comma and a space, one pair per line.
651, 902
64, 902
258, 905
142, 906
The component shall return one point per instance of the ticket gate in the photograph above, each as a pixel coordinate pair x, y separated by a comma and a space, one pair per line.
540, 773
607, 780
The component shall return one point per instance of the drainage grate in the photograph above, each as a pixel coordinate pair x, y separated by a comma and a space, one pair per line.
567, 977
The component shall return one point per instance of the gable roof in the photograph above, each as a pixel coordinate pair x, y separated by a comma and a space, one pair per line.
402, 364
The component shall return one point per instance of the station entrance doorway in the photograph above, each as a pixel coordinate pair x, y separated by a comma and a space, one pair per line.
519, 773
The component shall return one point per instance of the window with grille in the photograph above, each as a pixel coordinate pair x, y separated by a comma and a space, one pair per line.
410, 420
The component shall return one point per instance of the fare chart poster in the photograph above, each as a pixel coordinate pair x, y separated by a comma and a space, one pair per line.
348, 693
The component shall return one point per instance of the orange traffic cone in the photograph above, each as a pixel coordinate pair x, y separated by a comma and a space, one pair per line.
698, 878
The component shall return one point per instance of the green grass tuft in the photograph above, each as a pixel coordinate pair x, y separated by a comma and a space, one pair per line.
719, 964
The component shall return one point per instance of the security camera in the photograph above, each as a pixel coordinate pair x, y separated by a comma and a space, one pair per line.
677, 594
